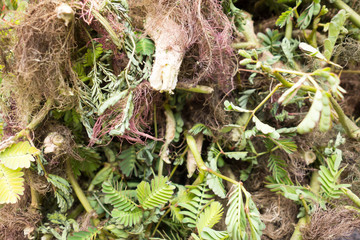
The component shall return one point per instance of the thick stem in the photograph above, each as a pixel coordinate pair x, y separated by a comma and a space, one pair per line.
297, 233
77, 189
289, 29
351, 129
353, 197
354, 17
196, 89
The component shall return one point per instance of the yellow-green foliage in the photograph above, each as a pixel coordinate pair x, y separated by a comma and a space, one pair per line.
12, 160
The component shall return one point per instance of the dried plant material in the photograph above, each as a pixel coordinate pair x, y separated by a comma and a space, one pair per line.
170, 40
42, 69
277, 212
331, 224
190, 160
65, 12
53, 143
169, 134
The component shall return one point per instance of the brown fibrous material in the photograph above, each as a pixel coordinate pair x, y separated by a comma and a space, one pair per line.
331, 224
206, 38
277, 213
42, 68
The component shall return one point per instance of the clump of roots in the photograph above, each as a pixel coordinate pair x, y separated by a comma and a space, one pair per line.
42, 68
208, 53
18, 219
331, 224
277, 213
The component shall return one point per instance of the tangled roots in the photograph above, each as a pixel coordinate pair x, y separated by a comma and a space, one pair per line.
42, 68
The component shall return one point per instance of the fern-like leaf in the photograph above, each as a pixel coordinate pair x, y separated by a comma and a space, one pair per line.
127, 165
118, 199
211, 234
158, 194
235, 217
62, 192
284, 18
210, 216
277, 167
129, 218
19, 155
214, 182
241, 211
329, 176
200, 128
193, 208
85, 235
11, 184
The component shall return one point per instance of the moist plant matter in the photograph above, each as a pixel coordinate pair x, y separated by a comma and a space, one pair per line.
179, 119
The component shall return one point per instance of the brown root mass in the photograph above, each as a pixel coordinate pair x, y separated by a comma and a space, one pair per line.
331, 224
277, 213
209, 55
15, 218
42, 68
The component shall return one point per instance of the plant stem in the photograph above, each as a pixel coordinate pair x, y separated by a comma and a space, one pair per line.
261, 104
354, 17
74, 213
158, 224
297, 233
353, 197
195, 89
289, 29
78, 191
351, 129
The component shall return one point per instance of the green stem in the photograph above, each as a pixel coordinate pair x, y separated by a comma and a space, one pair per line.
190, 140
354, 16
297, 233
351, 129
244, 45
353, 197
195, 89
158, 224
74, 213
223, 177
78, 191
262, 103
289, 29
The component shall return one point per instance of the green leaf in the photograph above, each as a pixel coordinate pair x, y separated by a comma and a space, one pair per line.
336, 24
236, 155
124, 124
325, 119
192, 209
277, 166
157, 194
231, 107
145, 47
11, 184
214, 182
111, 101
291, 92
210, 216
201, 128
85, 235
311, 51
127, 165
312, 117
118, 198
18, 155
211, 234
128, 218
284, 18
265, 128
